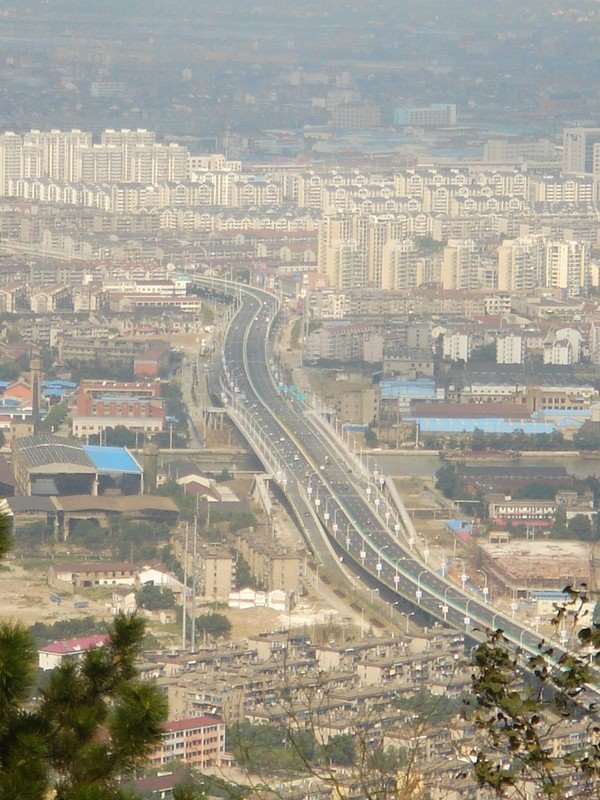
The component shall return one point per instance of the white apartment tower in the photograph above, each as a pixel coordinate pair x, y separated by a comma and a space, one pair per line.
457, 346
567, 266
509, 349
381, 231
342, 249
461, 265
520, 264
58, 151
402, 268
11, 160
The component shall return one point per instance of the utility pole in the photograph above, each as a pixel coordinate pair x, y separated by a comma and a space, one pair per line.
185, 586
195, 570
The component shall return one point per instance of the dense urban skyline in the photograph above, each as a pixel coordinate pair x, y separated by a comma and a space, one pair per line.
300, 363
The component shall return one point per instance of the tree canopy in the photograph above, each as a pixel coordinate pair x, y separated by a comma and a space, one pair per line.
525, 708
93, 723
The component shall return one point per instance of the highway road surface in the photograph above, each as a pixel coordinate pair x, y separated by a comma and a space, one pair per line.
335, 498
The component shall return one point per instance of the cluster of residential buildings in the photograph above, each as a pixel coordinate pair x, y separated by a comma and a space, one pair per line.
332, 690
499, 226
455, 374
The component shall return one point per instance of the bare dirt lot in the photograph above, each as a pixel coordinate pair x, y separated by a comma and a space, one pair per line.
25, 597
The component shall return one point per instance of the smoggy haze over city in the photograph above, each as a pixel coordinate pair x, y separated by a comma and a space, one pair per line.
299, 399
196, 68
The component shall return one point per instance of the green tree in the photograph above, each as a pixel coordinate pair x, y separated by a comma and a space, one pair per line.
485, 353
13, 335
449, 481
243, 574
188, 791
580, 527
55, 417
559, 526
478, 440
588, 436
370, 437
43, 633
207, 314
517, 720
213, 624
535, 490
340, 750
10, 371
153, 597
120, 436
93, 723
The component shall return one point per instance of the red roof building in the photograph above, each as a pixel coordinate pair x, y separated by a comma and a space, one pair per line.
54, 653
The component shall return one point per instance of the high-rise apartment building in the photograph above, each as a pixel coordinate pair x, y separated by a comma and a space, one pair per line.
520, 264
100, 163
342, 250
11, 160
357, 250
380, 232
567, 266
461, 265
58, 151
156, 163
402, 267
578, 149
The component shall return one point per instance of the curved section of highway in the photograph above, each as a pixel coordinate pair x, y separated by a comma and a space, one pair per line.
335, 499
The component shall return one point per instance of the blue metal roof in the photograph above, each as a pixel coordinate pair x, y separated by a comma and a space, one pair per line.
113, 459
487, 425
420, 389
458, 525
59, 383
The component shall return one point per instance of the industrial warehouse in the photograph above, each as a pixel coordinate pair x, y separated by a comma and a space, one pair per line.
54, 465
60, 481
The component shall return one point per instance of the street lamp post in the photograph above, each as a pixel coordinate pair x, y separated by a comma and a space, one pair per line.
467, 619
379, 565
363, 551
443, 563
408, 616
486, 589
397, 576
463, 576
419, 593
445, 607
426, 548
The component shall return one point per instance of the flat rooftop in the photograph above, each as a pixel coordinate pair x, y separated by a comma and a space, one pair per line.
113, 459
